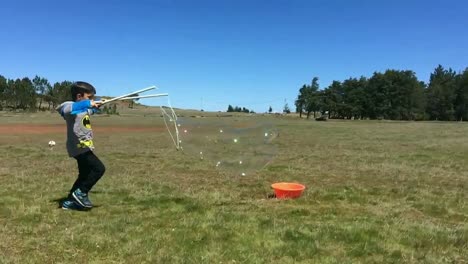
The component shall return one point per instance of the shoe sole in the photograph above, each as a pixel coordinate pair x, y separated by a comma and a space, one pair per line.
78, 201
76, 209
71, 205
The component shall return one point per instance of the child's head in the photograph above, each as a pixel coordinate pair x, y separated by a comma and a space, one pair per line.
82, 90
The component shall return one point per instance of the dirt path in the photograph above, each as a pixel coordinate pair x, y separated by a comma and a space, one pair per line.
22, 129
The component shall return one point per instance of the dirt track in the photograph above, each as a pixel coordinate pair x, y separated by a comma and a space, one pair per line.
10, 129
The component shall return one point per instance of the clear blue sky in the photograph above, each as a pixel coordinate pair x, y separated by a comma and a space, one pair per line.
242, 52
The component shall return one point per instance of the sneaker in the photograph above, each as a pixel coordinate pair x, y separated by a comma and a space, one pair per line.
71, 205
82, 198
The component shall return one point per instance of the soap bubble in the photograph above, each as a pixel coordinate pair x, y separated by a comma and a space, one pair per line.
235, 145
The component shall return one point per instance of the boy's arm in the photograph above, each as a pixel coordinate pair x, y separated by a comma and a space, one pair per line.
81, 106
64, 108
77, 107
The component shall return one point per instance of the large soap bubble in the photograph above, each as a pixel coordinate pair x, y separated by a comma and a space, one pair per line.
235, 145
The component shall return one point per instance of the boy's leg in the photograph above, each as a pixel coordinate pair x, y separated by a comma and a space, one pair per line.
95, 170
83, 171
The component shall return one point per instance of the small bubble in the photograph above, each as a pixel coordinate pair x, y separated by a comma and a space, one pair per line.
220, 131
240, 161
235, 140
243, 174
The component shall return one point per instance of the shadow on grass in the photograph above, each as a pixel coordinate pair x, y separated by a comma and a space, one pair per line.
59, 201
271, 196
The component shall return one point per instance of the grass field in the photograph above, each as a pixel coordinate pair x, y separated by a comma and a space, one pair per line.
377, 192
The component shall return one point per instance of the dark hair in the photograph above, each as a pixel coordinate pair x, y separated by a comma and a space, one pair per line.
81, 88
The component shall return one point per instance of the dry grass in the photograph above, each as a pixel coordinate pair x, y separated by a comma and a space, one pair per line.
378, 192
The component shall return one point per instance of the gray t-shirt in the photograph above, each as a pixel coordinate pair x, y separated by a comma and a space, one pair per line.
79, 132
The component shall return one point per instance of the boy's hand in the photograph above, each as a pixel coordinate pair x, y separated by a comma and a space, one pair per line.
96, 104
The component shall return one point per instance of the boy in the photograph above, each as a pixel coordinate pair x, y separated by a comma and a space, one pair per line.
80, 144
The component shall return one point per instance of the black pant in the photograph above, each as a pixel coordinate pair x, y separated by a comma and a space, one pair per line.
90, 170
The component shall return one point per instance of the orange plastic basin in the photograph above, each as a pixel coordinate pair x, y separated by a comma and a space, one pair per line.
287, 189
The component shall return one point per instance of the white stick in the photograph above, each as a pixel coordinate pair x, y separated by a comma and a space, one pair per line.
144, 96
127, 95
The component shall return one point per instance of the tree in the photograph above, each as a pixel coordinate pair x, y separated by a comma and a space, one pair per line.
49, 96
114, 109
270, 110
41, 85
61, 92
29, 99
334, 100
353, 98
20, 94
395, 95
322, 102
3, 89
312, 99
461, 99
9, 94
238, 109
308, 99
300, 101
286, 109
441, 94
377, 96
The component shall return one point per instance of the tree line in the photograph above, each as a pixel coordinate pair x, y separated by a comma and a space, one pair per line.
32, 95
393, 95
238, 109
39, 95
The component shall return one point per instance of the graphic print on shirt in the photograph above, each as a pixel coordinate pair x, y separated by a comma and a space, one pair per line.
86, 122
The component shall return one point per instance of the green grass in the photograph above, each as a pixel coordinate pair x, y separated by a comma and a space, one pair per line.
377, 192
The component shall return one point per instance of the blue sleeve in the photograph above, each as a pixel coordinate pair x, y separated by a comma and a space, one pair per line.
94, 111
81, 106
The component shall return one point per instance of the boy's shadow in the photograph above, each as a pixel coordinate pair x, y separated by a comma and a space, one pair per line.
59, 201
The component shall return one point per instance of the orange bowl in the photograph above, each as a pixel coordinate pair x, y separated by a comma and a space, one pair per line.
287, 189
